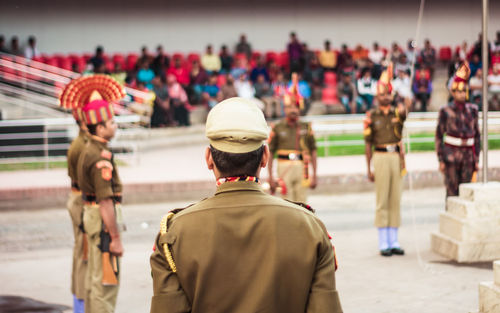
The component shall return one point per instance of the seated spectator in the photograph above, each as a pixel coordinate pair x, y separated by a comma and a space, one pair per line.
497, 42
178, 101
264, 92
31, 50
239, 68
227, 90
198, 77
243, 47
145, 74
244, 87
395, 53
279, 87
346, 92
422, 88
344, 60
428, 57
304, 89
226, 60
376, 56
273, 69
162, 112
259, 69
119, 73
411, 52
144, 58
210, 61
402, 64
313, 74
463, 51
454, 65
161, 62
367, 89
494, 88
307, 56
210, 91
401, 86
476, 88
98, 59
3, 48
475, 64
328, 57
14, 46
495, 58
359, 56
181, 73
295, 53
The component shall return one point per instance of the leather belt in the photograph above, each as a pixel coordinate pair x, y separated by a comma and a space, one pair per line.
459, 142
388, 148
93, 198
291, 156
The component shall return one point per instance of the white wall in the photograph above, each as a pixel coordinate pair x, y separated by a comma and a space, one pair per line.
67, 26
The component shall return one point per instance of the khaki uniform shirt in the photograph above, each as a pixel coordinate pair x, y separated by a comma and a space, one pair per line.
384, 129
74, 152
286, 137
243, 251
98, 174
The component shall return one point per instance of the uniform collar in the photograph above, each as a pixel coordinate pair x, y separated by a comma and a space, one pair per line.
238, 186
99, 141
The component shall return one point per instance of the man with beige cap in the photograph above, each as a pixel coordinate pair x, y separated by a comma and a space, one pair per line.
242, 250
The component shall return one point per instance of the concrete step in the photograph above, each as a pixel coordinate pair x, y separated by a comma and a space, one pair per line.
467, 209
465, 252
489, 298
478, 192
496, 272
470, 229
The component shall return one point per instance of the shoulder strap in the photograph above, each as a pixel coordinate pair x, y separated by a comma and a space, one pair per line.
305, 206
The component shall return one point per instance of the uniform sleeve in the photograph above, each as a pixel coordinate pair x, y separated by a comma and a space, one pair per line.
273, 141
323, 296
440, 130
168, 295
101, 174
367, 127
477, 135
311, 141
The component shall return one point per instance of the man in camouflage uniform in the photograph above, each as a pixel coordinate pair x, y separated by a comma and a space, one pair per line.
383, 128
458, 138
75, 207
295, 146
101, 191
242, 250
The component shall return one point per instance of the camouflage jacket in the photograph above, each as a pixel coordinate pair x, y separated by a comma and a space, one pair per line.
459, 121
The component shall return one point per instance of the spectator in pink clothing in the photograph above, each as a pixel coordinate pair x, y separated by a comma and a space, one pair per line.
181, 73
178, 100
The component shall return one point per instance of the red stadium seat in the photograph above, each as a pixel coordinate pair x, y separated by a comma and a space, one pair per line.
330, 79
65, 63
271, 56
131, 61
255, 55
329, 96
118, 57
445, 54
283, 60
221, 80
193, 57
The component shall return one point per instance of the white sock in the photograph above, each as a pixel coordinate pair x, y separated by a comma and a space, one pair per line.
383, 238
393, 238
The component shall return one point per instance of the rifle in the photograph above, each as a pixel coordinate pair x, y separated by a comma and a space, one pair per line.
110, 268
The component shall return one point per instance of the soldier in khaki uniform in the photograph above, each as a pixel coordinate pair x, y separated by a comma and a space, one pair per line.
242, 250
383, 128
75, 205
101, 192
293, 142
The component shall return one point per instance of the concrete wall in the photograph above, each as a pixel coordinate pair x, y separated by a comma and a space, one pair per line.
77, 26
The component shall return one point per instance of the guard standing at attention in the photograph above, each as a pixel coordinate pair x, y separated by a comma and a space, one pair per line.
295, 146
458, 138
383, 128
75, 203
242, 250
101, 191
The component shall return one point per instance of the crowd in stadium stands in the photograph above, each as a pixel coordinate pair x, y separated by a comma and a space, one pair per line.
344, 80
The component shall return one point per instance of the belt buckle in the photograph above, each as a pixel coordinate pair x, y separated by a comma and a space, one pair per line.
391, 148
292, 156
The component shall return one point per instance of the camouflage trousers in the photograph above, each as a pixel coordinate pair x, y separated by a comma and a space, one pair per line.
459, 170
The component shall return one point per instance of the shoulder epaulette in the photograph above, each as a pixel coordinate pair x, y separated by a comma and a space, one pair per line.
305, 206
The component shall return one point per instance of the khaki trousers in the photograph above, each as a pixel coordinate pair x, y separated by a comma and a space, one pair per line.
100, 299
292, 173
388, 185
79, 266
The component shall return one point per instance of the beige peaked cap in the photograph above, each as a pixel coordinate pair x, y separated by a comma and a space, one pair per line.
236, 125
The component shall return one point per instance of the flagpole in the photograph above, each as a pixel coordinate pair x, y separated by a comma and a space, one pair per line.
485, 90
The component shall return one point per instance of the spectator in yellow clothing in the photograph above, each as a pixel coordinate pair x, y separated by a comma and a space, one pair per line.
328, 58
210, 61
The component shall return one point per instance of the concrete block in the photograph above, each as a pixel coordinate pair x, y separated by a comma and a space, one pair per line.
198, 115
489, 298
468, 209
496, 272
465, 252
480, 192
470, 229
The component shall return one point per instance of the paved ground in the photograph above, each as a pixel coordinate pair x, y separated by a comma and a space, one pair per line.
35, 249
